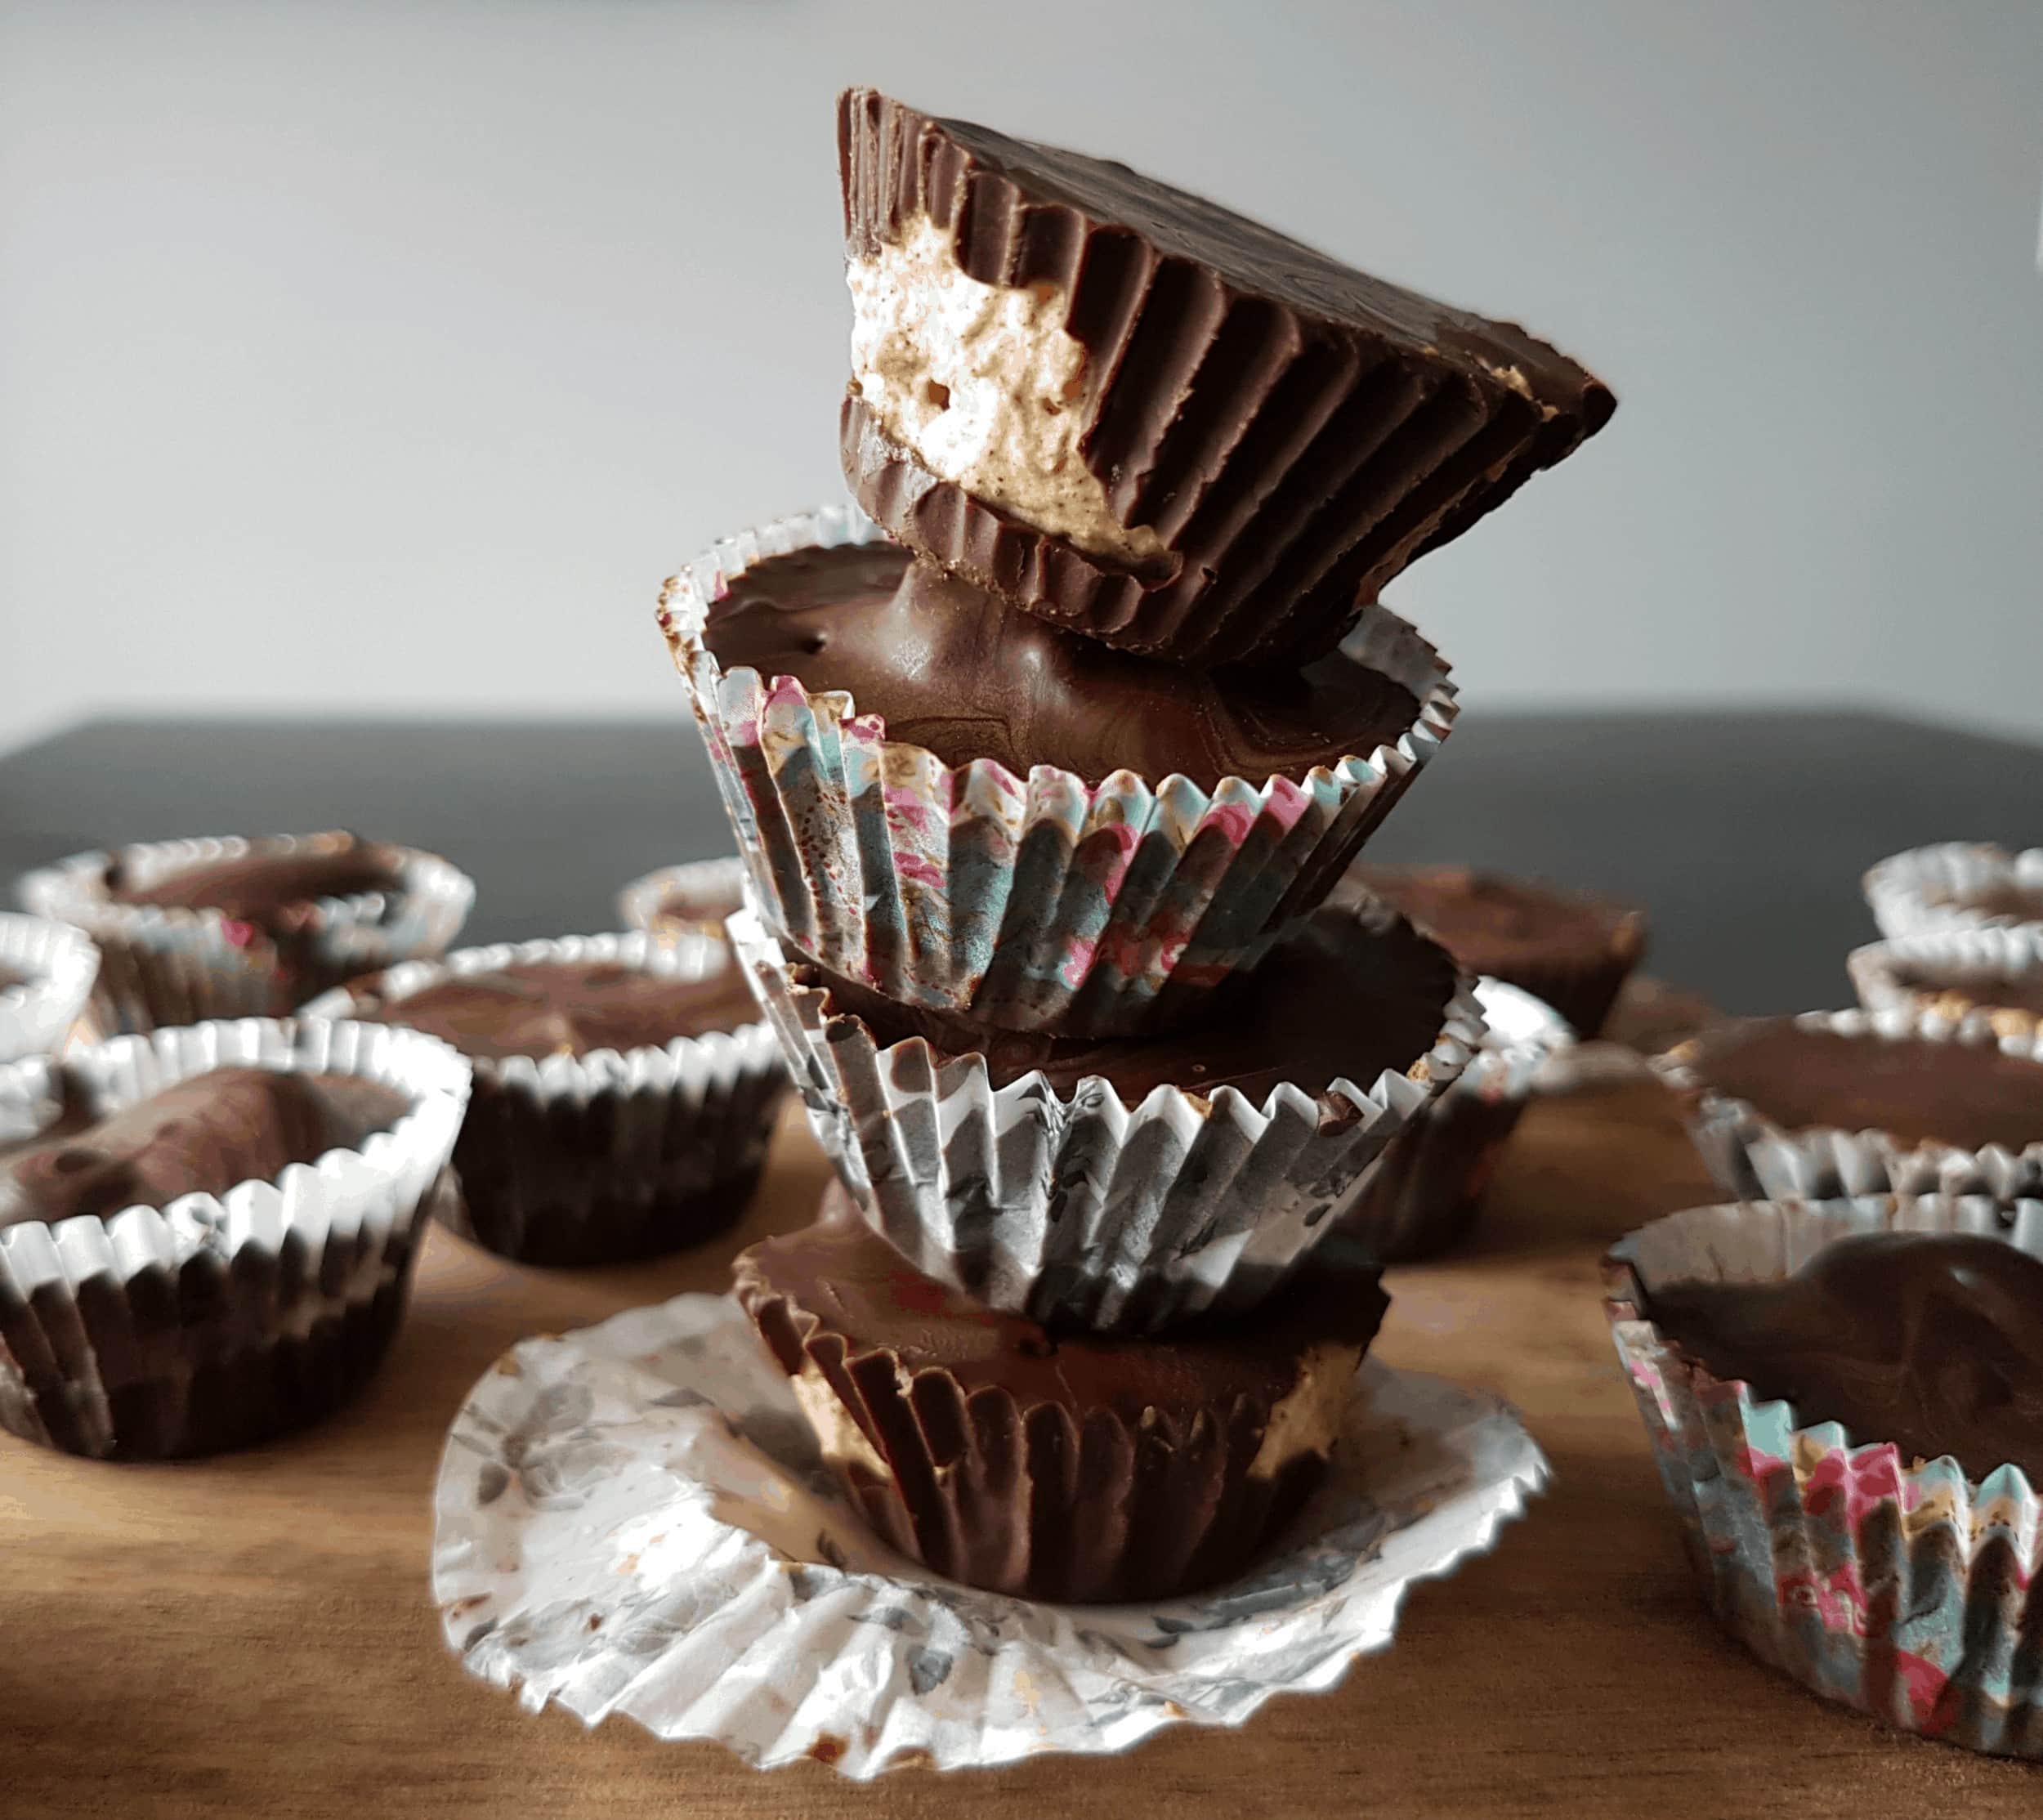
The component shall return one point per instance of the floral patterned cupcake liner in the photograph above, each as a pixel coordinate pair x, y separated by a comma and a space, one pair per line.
57, 965
1039, 903
606, 1157
1080, 1210
1951, 975
1923, 890
1755, 1159
1423, 1195
219, 1320
709, 889
1897, 1586
166, 965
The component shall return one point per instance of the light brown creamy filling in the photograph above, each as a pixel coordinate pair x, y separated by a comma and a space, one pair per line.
1309, 1416
986, 387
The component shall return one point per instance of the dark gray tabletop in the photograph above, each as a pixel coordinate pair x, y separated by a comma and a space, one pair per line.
1744, 835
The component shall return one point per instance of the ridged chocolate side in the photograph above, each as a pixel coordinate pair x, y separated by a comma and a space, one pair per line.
1040, 1500
1296, 432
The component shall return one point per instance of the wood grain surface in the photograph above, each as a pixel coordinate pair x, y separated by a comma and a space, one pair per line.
253, 1636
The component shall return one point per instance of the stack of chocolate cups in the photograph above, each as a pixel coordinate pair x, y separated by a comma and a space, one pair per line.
1042, 761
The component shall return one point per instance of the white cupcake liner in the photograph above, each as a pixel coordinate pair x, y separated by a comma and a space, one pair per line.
605, 1158
711, 882
1754, 1159
1424, 1194
1080, 1210
218, 1321
1909, 893
60, 964
634, 1520
162, 965
1950, 975
1042, 903
1897, 1586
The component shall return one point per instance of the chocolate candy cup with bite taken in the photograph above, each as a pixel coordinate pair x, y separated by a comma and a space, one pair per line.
608, 1156
1894, 1584
1067, 1468
167, 961
1044, 903
217, 1321
1052, 1195
1151, 420
1757, 1153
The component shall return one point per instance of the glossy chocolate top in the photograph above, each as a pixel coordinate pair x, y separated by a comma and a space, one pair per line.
1916, 1090
267, 888
538, 1008
1339, 996
854, 1284
949, 668
202, 1136
1933, 1343
1491, 923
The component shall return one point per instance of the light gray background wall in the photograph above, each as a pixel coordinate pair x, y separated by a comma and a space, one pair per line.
385, 355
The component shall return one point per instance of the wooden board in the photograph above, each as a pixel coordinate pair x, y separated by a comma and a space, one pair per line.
253, 1636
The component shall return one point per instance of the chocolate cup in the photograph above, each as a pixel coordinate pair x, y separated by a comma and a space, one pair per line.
166, 966
1959, 976
1894, 1585
1073, 1502
220, 1321
1295, 431
1956, 886
1756, 1158
604, 1158
1046, 902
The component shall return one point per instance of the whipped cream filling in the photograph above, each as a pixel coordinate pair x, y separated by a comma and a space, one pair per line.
986, 387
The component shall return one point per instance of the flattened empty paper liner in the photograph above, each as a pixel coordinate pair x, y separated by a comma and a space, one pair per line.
1756, 1160
606, 1157
1900, 1587
165, 965
1914, 892
1295, 471
1036, 904
1423, 1195
1080, 1210
218, 1321
634, 1520
60, 965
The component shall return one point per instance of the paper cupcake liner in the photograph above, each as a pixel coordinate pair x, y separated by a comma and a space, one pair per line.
1296, 468
1048, 904
606, 1157
216, 1321
1423, 1195
1911, 893
1954, 976
163, 966
707, 890
1899, 1587
59, 965
634, 1520
1079, 1209
1754, 1159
